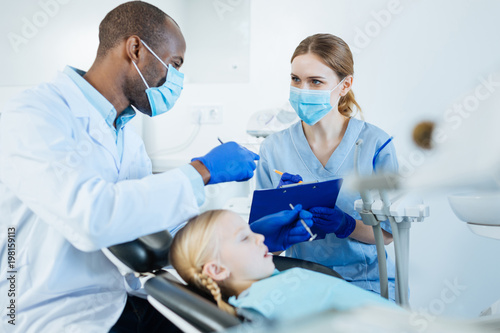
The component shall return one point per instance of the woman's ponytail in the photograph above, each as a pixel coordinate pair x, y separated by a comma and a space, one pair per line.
348, 106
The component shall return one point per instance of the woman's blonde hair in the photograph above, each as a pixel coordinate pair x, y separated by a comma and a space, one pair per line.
337, 55
193, 246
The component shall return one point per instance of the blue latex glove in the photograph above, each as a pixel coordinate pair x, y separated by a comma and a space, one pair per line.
288, 178
283, 229
332, 220
229, 162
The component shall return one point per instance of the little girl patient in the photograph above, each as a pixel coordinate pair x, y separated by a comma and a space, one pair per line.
217, 251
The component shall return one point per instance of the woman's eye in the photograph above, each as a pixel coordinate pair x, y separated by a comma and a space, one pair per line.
295, 79
316, 82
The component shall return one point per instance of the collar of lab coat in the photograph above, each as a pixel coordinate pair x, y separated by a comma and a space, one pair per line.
105, 108
92, 121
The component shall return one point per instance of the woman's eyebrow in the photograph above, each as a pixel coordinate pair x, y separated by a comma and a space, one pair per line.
310, 77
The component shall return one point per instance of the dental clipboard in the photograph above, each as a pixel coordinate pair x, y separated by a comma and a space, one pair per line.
317, 194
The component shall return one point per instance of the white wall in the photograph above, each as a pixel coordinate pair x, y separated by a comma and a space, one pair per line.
411, 65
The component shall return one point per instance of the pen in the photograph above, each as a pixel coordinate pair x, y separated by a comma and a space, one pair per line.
220, 141
305, 226
281, 174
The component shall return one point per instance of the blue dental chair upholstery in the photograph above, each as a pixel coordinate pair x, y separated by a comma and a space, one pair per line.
188, 308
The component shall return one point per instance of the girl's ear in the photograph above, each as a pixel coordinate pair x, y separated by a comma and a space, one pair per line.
215, 271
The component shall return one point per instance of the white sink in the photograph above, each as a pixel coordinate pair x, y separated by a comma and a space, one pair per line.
485, 230
477, 207
481, 210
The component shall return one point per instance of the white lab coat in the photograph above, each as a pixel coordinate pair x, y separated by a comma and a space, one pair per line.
65, 190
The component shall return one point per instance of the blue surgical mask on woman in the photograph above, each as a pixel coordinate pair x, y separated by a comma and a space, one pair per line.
162, 98
311, 105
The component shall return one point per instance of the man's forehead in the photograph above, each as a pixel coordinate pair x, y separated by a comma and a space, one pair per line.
173, 43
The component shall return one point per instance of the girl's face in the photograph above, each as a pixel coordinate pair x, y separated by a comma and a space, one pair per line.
311, 73
243, 257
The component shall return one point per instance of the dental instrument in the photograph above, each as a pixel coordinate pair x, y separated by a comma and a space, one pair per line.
313, 236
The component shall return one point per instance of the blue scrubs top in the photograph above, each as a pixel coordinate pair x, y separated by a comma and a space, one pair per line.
299, 292
289, 151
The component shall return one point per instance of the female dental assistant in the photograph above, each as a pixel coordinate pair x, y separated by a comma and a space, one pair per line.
321, 147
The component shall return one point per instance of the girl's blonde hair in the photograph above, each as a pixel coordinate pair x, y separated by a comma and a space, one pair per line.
337, 55
193, 246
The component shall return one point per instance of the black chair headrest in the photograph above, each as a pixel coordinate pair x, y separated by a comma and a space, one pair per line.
199, 312
283, 263
145, 254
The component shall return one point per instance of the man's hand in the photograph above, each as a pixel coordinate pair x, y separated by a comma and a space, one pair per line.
228, 162
283, 229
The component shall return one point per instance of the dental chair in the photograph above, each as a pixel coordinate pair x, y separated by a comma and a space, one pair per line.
188, 308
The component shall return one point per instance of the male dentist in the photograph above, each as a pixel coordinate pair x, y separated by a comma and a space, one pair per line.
74, 179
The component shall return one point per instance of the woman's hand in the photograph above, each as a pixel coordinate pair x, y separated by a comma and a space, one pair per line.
288, 178
332, 220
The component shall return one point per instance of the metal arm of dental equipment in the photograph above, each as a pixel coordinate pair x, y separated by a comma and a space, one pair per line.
401, 238
400, 211
369, 219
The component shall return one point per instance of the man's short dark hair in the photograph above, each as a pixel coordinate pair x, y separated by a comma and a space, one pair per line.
132, 18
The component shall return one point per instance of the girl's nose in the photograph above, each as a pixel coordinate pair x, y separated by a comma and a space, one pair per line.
260, 239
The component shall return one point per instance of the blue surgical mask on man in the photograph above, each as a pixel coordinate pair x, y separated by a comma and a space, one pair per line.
311, 105
162, 98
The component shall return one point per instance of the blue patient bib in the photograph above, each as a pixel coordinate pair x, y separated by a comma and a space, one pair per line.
299, 292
